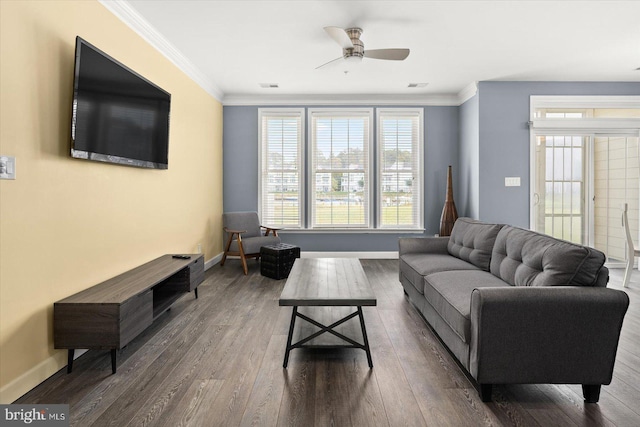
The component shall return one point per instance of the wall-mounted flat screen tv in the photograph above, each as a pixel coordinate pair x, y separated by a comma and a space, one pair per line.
118, 116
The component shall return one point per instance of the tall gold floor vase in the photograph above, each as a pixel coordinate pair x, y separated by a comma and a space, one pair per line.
449, 212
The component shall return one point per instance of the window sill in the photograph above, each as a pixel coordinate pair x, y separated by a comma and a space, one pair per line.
352, 231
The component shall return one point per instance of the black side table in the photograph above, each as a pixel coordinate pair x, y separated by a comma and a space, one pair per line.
276, 260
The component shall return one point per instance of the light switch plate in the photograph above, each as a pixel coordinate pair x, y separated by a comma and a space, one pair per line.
7, 167
512, 181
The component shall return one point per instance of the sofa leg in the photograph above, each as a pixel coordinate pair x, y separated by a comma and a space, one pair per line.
591, 392
485, 392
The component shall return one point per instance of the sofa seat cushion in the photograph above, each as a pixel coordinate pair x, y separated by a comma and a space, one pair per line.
449, 293
526, 258
416, 266
472, 241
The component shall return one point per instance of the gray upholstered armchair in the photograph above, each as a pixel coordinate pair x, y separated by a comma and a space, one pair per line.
244, 236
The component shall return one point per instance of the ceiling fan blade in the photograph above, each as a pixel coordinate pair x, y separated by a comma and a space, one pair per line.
327, 63
340, 36
390, 54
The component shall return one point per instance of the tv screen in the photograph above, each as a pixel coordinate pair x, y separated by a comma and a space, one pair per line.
118, 116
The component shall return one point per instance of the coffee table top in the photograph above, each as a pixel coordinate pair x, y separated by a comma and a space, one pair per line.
327, 282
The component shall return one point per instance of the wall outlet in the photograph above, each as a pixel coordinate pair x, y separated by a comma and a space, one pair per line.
7, 167
512, 181
199, 248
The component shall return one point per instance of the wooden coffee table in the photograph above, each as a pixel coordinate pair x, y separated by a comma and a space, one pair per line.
325, 287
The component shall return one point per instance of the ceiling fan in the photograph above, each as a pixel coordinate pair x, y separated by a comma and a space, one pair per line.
353, 47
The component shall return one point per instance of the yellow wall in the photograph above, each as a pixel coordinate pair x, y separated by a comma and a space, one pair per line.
67, 224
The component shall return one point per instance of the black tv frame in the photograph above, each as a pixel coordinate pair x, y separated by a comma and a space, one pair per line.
101, 157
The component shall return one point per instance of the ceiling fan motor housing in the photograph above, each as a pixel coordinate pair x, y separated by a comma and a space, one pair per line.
357, 51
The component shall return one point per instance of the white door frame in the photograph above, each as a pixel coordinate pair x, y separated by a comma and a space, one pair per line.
590, 127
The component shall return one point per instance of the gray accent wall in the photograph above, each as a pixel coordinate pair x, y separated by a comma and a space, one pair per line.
485, 140
441, 135
504, 141
240, 175
240, 159
468, 203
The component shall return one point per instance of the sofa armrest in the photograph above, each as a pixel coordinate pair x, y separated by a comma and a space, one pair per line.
433, 245
559, 334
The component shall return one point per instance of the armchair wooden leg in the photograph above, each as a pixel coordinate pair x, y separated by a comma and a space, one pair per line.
226, 249
242, 258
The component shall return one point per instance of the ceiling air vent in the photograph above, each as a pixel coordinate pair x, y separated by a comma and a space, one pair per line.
418, 84
269, 85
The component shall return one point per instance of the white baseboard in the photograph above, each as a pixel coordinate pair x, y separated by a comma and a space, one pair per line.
34, 376
308, 254
213, 261
43, 370
361, 255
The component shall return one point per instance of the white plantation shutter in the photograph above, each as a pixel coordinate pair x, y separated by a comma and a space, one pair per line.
339, 179
281, 195
399, 161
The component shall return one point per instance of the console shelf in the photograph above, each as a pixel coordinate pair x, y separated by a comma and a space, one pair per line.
162, 301
111, 314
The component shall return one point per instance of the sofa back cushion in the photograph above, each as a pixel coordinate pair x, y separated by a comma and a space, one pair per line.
472, 241
526, 258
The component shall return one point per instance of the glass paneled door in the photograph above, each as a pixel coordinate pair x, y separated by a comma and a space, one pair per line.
580, 184
616, 182
560, 191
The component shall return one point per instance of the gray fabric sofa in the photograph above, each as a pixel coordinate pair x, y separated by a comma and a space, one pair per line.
515, 306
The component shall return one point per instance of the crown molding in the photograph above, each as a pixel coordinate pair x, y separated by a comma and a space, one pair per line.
467, 92
127, 14
317, 99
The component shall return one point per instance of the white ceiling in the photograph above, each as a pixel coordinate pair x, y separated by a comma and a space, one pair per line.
233, 46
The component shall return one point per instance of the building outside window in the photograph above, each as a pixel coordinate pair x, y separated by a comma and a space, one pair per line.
352, 172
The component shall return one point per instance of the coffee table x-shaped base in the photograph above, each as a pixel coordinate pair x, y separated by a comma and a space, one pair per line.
328, 329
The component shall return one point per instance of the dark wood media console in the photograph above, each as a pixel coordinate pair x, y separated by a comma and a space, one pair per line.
111, 314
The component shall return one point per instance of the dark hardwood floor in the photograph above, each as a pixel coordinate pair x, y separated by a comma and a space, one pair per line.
217, 360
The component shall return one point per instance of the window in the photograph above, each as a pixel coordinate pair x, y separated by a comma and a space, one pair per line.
399, 166
560, 113
280, 187
341, 174
339, 182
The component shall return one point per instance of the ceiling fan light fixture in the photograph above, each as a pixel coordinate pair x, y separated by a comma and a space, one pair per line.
353, 48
